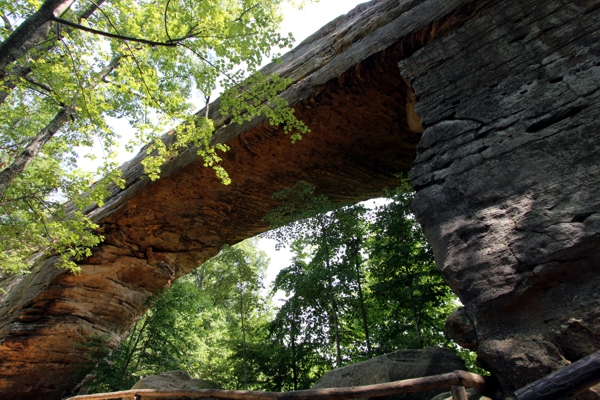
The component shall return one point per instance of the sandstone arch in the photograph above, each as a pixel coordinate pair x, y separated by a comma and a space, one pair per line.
512, 252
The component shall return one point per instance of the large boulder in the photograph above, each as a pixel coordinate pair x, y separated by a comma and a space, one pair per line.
402, 364
172, 380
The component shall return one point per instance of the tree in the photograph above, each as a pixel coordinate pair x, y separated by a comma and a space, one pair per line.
411, 297
166, 338
331, 235
241, 268
396, 299
304, 215
299, 329
352, 228
68, 66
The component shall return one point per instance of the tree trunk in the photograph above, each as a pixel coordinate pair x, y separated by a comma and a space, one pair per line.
414, 309
8, 175
332, 300
243, 340
362, 302
135, 344
293, 340
39, 36
30, 32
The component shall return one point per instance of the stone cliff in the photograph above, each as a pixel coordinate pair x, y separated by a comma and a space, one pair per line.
506, 171
507, 179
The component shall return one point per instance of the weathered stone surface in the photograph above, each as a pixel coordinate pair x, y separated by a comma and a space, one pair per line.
172, 380
402, 364
461, 329
508, 175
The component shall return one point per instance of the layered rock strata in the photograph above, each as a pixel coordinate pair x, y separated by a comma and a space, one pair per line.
508, 174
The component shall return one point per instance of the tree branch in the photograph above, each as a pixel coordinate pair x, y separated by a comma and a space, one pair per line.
40, 85
170, 43
247, 10
166, 22
7, 24
36, 39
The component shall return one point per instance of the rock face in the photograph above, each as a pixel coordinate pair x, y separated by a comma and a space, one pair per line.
402, 364
173, 380
507, 174
460, 327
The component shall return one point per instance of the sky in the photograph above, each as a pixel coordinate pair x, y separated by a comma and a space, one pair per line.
303, 23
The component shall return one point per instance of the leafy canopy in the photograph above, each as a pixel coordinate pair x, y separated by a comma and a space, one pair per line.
69, 67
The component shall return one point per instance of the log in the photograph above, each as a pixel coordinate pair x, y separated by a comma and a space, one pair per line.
567, 381
382, 389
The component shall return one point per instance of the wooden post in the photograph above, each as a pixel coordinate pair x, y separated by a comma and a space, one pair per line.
567, 381
459, 392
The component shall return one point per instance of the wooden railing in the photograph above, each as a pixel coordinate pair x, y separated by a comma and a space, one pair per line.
456, 381
567, 381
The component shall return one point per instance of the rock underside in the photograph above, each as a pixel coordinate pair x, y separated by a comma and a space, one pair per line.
507, 175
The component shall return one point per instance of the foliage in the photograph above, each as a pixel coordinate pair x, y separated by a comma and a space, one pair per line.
395, 300
322, 230
69, 67
410, 295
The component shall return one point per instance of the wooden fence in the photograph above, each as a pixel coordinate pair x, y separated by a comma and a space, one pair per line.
567, 381
455, 381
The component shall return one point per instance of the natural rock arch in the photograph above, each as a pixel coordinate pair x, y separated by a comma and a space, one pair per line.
488, 78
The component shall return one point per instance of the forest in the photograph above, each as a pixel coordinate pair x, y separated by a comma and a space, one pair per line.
362, 282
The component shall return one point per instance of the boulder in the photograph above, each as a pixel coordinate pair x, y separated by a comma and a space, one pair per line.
460, 328
172, 380
402, 364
